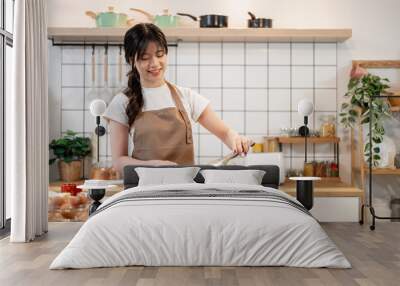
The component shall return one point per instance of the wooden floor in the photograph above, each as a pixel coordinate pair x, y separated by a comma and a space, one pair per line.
375, 257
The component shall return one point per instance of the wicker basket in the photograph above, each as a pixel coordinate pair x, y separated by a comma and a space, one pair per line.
70, 172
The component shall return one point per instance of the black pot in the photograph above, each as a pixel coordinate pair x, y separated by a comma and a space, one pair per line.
209, 21
258, 22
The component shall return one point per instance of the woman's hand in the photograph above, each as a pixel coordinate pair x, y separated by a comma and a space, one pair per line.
210, 120
237, 143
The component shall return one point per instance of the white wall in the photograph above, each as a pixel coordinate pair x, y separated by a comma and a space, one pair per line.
374, 24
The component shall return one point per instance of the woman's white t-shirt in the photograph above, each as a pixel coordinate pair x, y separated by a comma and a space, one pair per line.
157, 98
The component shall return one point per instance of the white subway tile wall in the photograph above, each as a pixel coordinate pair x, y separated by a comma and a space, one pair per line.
253, 87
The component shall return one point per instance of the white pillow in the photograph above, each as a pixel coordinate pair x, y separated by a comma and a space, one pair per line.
248, 177
164, 176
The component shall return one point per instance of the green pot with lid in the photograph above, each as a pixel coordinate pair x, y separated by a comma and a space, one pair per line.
110, 18
165, 20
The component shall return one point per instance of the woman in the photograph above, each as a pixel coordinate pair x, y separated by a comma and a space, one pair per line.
156, 112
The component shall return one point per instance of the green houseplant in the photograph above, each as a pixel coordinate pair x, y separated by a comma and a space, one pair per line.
361, 87
70, 149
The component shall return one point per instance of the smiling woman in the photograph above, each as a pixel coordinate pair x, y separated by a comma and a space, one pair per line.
158, 114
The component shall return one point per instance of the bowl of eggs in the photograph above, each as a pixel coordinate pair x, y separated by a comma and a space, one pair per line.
67, 207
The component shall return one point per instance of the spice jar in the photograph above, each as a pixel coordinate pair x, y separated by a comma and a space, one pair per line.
257, 148
328, 128
320, 170
334, 169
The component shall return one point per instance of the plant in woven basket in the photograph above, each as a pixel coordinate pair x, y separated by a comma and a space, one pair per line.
70, 147
361, 87
70, 150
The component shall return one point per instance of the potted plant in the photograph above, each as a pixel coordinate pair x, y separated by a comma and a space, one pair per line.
361, 87
70, 150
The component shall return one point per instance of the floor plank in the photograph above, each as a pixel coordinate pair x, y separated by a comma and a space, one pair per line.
374, 255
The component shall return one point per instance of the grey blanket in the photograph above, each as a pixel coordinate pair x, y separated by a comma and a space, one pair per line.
206, 193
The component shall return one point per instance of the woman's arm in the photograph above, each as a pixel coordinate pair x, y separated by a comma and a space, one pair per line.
237, 143
119, 148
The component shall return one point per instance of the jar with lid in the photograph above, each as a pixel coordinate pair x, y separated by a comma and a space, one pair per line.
328, 128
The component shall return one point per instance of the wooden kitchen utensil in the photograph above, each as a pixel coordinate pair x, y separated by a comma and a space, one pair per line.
92, 94
106, 93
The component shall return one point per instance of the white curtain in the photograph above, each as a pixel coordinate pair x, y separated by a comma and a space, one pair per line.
27, 123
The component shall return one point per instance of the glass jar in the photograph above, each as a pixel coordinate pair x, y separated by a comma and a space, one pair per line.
257, 148
328, 169
334, 169
308, 170
328, 128
103, 170
320, 170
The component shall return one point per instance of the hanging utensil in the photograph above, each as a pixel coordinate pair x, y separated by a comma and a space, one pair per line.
93, 94
106, 93
120, 59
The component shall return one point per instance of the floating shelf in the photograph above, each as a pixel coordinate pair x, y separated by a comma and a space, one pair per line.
312, 140
377, 63
115, 35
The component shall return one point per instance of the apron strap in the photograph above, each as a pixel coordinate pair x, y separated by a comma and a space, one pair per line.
182, 112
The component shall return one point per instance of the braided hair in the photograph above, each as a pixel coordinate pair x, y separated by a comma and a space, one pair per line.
136, 40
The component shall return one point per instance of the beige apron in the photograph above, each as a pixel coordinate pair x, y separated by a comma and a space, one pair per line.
164, 134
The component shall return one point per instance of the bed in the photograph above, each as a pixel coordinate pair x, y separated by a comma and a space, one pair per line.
198, 224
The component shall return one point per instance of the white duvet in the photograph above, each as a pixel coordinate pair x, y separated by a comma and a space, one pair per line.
192, 231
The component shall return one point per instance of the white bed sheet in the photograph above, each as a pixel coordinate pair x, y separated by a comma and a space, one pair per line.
200, 231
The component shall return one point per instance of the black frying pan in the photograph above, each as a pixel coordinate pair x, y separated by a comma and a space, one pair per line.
258, 22
210, 20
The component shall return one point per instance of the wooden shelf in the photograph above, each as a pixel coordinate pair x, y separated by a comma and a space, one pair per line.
115, 35
326, 189
377, 63
312, 140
